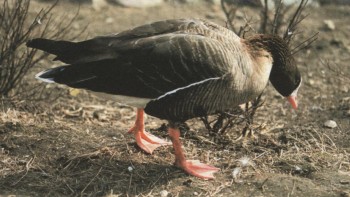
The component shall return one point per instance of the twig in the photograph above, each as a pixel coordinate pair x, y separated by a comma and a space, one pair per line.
302, 45
130, 180
82, 192
276, 19
153, 184
260, 187
265, 17
292, 192
31, 160
295, 20
228, 15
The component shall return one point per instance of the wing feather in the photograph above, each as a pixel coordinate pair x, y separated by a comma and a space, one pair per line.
146, 61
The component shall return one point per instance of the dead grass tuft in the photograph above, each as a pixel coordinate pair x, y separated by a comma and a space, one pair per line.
77, 145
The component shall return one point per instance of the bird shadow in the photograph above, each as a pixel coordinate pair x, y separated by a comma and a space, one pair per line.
92, 174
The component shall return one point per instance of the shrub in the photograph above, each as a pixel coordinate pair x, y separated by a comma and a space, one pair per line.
16, 59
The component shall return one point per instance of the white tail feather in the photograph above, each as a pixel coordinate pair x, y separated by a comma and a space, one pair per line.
47, 80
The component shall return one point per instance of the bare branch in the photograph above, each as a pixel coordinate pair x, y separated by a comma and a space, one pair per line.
264, 17
304, 44
15, 59
295, 20
229, 15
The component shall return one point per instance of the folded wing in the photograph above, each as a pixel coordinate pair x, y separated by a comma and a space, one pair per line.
146, 62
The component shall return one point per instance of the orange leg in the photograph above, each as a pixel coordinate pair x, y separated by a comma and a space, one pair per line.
145, 140
192, 167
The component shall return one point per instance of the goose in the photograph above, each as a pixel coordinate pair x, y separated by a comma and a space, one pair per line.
175, 70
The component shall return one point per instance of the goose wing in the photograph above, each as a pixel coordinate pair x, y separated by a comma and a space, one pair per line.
147, 61
106, 47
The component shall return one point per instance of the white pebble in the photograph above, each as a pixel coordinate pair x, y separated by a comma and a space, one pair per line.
312, 82
139, 3
329, 24
130, 169
297, 168
195, 193
330, 124
109, 20
99, 4
164, 193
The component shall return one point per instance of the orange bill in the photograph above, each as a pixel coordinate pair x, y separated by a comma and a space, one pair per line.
293, 101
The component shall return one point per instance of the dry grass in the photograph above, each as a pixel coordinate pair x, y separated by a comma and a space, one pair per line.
69, 152
78, 145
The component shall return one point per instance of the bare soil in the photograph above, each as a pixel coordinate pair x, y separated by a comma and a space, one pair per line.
77, 144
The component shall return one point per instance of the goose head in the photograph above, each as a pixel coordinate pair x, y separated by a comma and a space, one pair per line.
285, 76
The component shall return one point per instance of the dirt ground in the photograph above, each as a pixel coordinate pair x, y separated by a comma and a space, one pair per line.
77, 145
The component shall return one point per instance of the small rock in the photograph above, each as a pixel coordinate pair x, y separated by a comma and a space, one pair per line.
329, 25
98, 5
297, 168
195, 193
130, 169
139, 3
316, 108
330, 124
109, 20
311, 82
164, 193
100, 115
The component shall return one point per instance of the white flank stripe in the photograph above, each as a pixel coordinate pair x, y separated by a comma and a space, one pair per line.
192, 84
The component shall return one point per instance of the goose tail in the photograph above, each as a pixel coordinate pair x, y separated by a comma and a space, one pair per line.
49, 75
51, 46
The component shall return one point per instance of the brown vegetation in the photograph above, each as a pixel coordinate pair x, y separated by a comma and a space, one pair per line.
77, 145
